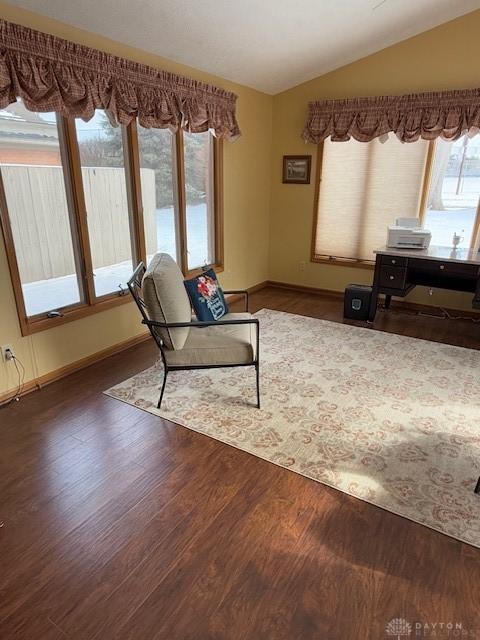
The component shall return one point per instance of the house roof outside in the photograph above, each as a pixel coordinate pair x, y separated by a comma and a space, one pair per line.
20, 126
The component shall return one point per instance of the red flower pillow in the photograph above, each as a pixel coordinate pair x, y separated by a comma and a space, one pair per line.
206, 296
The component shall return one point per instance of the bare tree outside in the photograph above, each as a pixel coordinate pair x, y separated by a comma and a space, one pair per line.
454, 192
103, 148
442, 156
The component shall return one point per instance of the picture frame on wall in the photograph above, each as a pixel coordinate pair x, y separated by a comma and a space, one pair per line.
296, 169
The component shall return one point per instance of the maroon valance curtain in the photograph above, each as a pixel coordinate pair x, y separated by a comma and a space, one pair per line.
448, 114
52, 74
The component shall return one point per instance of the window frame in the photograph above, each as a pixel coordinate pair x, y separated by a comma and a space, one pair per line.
90, 303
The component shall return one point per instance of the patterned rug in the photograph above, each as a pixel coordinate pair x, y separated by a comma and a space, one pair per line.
394, 421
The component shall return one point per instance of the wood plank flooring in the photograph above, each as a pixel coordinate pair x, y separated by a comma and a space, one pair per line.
118, 524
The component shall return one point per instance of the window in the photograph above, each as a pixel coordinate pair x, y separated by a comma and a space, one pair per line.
453, 196
41, 226
199, 188
160, 212
82, 202
101, 153
363, 187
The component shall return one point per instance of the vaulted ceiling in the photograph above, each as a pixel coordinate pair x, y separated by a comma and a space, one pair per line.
270, 45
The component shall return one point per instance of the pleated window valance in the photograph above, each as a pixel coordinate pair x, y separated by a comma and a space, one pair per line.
52, 74
446, 114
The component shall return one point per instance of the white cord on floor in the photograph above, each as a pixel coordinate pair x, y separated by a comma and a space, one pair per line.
20, 384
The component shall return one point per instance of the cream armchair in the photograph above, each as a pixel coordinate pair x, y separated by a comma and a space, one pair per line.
232, 341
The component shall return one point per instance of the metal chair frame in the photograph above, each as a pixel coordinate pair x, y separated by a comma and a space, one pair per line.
135, 288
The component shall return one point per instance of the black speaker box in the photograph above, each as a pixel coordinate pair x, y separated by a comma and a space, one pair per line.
357, 302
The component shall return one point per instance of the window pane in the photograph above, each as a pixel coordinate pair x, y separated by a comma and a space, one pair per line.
454, 191
156, 174
104, 183
34, 185
357, 201
198, 150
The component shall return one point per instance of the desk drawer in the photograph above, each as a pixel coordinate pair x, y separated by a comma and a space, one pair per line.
446, 268
393, 277
394, 261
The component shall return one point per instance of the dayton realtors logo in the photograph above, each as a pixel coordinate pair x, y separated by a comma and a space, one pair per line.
400, 628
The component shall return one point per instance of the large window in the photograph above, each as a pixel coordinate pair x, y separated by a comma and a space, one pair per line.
364, 187
83, 202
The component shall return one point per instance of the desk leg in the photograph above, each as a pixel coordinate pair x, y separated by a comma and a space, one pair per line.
374, 301
388, 300
476, 297
373, 305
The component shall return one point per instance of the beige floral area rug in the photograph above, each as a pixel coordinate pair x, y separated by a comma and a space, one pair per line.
394, 421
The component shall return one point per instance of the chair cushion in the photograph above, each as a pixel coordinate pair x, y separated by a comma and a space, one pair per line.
221, 344
166, 298
206, 296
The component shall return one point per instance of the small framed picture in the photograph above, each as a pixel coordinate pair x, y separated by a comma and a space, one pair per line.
296, 169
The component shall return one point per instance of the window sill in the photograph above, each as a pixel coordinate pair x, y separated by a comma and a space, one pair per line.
345, 262
42, 323
218, 268
30, 326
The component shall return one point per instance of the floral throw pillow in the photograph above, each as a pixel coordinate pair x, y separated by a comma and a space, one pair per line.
206, 296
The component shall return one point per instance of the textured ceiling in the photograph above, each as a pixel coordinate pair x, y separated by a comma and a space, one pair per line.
270, 45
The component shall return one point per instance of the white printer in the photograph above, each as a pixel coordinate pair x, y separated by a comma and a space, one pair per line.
406, 234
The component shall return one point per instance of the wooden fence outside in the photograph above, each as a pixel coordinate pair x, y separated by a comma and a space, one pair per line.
39, 218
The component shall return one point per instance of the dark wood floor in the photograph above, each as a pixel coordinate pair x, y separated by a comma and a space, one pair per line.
118, 524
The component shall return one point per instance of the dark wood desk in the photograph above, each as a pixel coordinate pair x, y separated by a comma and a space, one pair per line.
398, 271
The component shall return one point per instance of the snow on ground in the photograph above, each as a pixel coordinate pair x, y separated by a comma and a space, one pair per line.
47, 295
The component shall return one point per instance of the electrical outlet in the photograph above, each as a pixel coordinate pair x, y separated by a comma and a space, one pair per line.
7, 353
302, 265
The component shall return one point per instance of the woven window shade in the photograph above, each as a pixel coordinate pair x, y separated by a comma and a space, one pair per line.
364, 187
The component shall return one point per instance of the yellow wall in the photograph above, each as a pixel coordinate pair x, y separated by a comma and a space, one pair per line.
247, 200
444, 58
